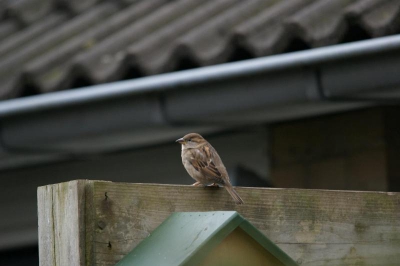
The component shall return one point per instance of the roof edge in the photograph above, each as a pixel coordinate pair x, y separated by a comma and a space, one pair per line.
223, 231
163, 82
265, 242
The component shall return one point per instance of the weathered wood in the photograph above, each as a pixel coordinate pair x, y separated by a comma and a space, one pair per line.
315, 227
46, 225
61, 211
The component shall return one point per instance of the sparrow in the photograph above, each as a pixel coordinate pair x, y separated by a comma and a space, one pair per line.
204, 165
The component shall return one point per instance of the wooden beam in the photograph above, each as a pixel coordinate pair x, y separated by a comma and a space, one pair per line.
61, 213
314, 227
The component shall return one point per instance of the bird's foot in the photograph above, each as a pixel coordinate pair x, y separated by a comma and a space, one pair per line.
197, 184
213, 185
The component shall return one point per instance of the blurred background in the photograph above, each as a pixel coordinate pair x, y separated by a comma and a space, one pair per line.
292, 93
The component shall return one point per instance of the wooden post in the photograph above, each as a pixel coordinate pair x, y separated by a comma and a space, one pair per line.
97, 223
61, 211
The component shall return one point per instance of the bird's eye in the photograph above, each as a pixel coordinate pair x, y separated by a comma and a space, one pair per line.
189, 139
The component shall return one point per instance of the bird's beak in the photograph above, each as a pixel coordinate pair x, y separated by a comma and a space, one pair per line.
181, 140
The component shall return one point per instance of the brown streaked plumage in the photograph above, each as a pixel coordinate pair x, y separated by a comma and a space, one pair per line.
204, 165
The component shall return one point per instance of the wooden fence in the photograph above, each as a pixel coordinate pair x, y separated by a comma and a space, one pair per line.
96, 222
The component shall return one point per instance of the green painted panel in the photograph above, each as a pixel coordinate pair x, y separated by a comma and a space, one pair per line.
186, 238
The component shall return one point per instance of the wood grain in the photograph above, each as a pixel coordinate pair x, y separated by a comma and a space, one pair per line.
315, 227
46, 225
61, 212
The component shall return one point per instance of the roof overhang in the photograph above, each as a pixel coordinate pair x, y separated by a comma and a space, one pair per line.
157, 109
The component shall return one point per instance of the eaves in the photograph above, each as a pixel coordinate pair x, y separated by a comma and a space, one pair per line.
156, 109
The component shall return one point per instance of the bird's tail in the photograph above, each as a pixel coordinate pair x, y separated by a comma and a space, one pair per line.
238, 200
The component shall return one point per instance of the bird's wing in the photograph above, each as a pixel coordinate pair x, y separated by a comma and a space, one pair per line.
202, 161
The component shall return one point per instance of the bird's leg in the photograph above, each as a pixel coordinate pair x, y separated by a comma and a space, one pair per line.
197, 184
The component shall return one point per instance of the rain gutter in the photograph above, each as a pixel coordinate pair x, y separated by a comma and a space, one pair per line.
154, 109
205, 75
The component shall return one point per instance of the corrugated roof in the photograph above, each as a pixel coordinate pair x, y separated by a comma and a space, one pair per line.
50, 45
